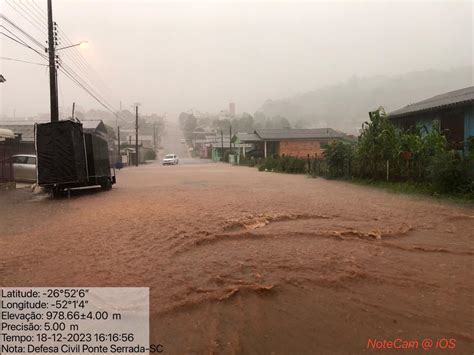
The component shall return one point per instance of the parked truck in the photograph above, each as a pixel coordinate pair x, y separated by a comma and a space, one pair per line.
68, 157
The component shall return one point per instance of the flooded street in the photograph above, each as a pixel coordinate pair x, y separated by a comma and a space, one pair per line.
296, 177
241, 261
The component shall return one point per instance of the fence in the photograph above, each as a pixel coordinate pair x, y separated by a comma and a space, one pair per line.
6, 166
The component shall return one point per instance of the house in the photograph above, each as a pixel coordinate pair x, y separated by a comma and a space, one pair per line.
452, 112
201, 142
129, 136
24, 142
217, 146
7, 141
290, 142
247, 143
99, 128
129, 156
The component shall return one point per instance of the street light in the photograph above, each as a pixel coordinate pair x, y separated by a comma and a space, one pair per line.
83, 45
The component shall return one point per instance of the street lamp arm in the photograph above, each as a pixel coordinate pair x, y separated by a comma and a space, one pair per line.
73, 45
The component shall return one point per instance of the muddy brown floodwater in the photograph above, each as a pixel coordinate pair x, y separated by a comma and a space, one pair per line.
241, 261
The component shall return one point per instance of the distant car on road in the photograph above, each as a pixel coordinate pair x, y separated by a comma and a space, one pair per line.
24, 167
170, 159
183, 141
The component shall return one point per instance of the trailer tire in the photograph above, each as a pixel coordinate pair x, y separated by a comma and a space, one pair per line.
106, 184
55, 192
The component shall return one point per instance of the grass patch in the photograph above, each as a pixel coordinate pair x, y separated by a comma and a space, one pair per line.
412, 188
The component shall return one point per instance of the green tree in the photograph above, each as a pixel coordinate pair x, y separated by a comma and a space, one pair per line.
378, 143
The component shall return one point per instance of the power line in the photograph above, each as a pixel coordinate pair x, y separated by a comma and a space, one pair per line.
72, 77
96, 93
11, 23
33, 40
64, 68
90, 93
40, 14
40, 10
22, 61
82, 62
17, 41
25, 17
32, 15
13, 34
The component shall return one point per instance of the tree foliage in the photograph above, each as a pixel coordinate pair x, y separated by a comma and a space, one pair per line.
377, 145
339, 156
417, 155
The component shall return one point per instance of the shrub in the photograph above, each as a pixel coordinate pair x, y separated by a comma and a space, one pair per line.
450, 173
251, 162
270, 164
417, 148
292, 165
338, 157
285, 164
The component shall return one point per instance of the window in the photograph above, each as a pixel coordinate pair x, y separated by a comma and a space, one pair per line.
20, 160
31, 161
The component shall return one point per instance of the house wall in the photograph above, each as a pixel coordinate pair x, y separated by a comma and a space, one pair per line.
469, 123
456, 123
300, 149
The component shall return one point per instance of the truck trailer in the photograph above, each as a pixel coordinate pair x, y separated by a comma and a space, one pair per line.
68, 157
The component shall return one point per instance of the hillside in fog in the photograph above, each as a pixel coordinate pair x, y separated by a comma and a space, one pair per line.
345, 105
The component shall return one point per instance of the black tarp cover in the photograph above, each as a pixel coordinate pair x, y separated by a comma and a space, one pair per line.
97, 156
60, 153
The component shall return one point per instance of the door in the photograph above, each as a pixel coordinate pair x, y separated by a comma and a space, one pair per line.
19, 168
30, 169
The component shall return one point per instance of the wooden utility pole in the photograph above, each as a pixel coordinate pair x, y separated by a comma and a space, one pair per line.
222, 145
73, 109
136, 135
119, 158
230, 138
53, 78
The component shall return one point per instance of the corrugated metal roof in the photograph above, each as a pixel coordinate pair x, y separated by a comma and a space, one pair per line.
94, 126
457, 97
248, 137
219, 143
312, 133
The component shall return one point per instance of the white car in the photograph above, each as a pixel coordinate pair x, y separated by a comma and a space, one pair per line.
24, 167
170, 159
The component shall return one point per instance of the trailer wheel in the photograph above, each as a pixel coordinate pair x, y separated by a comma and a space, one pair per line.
55, 192
106, 184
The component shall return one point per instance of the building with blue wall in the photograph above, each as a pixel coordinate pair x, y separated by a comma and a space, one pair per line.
452, 112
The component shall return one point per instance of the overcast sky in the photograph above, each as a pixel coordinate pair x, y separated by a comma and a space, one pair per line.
172, 56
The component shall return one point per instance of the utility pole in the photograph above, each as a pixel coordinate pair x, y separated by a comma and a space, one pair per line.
222, 145
154, 135
136, 134
53, 78
73, 109
230, 138
119, 158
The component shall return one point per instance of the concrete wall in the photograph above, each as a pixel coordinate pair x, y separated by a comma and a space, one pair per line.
300, 148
